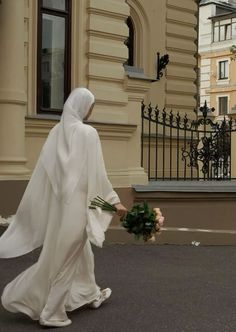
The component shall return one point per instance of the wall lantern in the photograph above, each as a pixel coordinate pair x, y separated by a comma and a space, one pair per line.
161, 64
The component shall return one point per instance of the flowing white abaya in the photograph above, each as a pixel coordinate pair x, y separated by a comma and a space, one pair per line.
54, 213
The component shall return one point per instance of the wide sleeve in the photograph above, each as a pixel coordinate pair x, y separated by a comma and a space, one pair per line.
108, 193
98, 185
97, 171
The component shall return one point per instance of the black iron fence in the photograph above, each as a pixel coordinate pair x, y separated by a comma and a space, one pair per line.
175, 147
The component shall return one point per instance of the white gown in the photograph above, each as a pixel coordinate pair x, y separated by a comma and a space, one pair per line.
63, 277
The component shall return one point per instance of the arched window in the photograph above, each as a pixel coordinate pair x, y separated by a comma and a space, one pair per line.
53, 78
139, 36
130, 42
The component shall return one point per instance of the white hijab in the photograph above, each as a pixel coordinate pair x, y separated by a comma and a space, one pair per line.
61, 157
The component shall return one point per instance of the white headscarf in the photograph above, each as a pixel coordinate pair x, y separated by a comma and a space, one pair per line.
63, 151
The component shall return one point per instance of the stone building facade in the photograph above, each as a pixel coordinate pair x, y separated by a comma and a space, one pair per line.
89, 36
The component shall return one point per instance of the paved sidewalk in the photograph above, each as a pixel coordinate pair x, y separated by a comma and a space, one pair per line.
155, 289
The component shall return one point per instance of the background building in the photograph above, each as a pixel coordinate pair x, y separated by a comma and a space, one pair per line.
217, 35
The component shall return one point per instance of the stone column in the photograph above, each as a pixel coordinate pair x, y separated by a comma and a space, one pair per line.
12, 90
107, 53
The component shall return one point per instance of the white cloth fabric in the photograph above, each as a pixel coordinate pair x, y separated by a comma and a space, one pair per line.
54, 213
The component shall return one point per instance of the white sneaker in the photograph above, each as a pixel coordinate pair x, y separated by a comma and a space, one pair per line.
104, 295
56, 323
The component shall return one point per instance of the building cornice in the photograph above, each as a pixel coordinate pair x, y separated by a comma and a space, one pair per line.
38, 127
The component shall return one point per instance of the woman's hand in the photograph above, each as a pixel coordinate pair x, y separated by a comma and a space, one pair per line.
120, 209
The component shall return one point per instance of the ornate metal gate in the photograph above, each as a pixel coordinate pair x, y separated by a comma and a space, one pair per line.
175, 147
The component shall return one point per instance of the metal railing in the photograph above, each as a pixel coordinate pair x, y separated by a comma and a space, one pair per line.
175, 147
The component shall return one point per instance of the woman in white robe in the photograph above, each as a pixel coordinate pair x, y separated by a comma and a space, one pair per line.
54, 213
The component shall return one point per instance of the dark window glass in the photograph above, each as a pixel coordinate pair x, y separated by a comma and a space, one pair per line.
55, 4
53, 55
130, 42
234, 30
222, 32
228, 31
223, 105
223, 70
216, 33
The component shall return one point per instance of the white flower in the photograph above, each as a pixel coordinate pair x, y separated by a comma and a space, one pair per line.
161, 221
157, 211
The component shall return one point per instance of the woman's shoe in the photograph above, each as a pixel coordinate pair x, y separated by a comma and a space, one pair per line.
104, 295
56, 323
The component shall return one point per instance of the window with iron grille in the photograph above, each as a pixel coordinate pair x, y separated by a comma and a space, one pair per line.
223, 105
223, 70
54, 53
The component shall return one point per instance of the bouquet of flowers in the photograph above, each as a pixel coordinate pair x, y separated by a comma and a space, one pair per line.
141, 220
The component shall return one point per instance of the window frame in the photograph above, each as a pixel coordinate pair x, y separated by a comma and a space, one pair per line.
217, 24
226, 70
67, 52
218, 101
